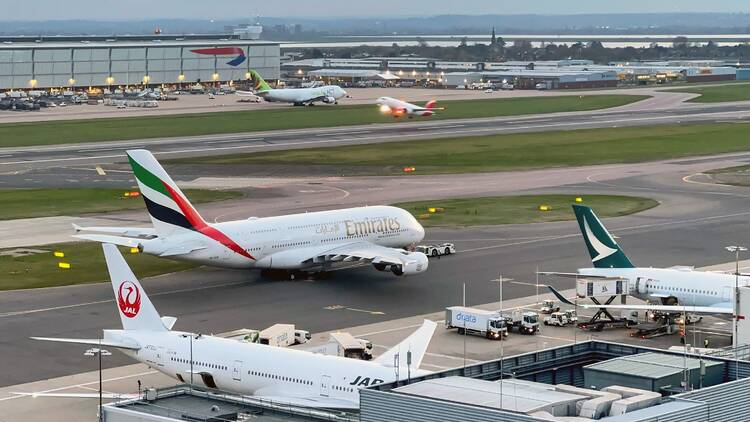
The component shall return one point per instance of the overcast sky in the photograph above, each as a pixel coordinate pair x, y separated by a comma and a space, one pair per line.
229, 9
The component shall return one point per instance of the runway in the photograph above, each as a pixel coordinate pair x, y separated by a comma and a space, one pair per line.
20, 159
691, 227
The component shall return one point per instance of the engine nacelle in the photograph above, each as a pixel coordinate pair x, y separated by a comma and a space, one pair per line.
415, 263
329, 100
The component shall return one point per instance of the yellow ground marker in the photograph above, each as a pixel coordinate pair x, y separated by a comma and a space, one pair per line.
134, 250
59, 254
63, 265
579, 199
545, 208
100, 171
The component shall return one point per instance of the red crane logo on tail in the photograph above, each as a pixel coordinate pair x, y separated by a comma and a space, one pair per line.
129, 299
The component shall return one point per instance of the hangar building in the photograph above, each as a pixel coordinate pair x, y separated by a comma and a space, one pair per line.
67, 62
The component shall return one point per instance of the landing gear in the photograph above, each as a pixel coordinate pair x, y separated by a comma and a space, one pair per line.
397, 269
380, 267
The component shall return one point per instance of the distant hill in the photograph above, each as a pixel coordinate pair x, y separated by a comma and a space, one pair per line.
641, 23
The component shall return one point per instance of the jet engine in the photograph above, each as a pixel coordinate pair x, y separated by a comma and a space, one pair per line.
329, 100
415, 263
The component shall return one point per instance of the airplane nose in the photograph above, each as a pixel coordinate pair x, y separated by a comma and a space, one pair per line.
420, 232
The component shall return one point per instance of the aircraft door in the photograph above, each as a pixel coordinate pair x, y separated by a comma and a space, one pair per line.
640, 286
726, 294
325, 386
160, 352
237, 370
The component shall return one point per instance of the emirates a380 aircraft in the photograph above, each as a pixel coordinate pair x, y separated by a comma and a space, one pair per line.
315, 241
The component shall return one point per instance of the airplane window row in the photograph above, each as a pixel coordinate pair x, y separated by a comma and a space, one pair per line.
263, 231
280, 378
204, 364
285, 245
680, 289
347, 389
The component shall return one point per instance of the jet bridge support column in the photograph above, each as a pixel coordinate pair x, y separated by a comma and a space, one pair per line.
743, 323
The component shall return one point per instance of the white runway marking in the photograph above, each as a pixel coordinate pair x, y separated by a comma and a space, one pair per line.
83, 385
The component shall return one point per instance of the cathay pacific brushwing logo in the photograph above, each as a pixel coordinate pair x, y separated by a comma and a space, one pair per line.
602, 250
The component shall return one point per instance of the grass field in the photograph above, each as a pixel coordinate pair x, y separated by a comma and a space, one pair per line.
737, 176
87, 265
522, 209
719, 93
514, 151
75, 131
28, 203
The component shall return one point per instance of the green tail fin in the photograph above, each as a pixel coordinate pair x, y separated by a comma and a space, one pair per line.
604, 251
259, 84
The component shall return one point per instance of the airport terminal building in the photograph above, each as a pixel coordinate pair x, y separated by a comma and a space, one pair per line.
67, 62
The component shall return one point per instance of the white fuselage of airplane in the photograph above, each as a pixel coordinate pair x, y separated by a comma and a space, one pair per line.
397, 108
256, 369
329, 94
685, 286
288, 241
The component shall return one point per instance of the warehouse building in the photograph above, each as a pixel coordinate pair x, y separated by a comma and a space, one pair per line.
632, 383
65, 62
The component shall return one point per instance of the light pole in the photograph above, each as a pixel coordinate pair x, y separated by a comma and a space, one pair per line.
95, 351
736, 251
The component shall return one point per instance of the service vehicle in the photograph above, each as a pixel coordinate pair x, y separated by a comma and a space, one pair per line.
344, 345
627, 319
525, 322
437, 250
507, 87
572, 316
548, 307
489, 324
283, 335
557, 318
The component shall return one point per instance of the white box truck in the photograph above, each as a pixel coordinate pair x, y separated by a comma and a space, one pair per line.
489, 324
283, 335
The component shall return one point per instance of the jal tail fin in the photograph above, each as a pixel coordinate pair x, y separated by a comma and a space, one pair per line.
416, 344
135, 308
604, 251
168, 207
260, 85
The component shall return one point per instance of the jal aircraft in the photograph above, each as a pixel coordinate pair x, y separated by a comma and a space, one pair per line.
398, 108
678, 289
329, 94
278, 374
314, 241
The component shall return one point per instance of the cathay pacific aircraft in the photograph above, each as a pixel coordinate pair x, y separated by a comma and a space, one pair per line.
277, 374
678, 289
329, 94
314, 241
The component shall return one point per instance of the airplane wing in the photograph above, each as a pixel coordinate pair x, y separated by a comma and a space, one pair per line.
130, 242
142, 232
123, 344
362, 251
579, 275
718, 308
667, 308
416, 343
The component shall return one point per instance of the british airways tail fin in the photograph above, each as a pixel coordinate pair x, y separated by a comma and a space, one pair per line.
604, 251
135, 308
416, 344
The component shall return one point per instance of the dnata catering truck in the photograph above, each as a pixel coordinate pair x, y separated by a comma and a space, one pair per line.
476, 321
